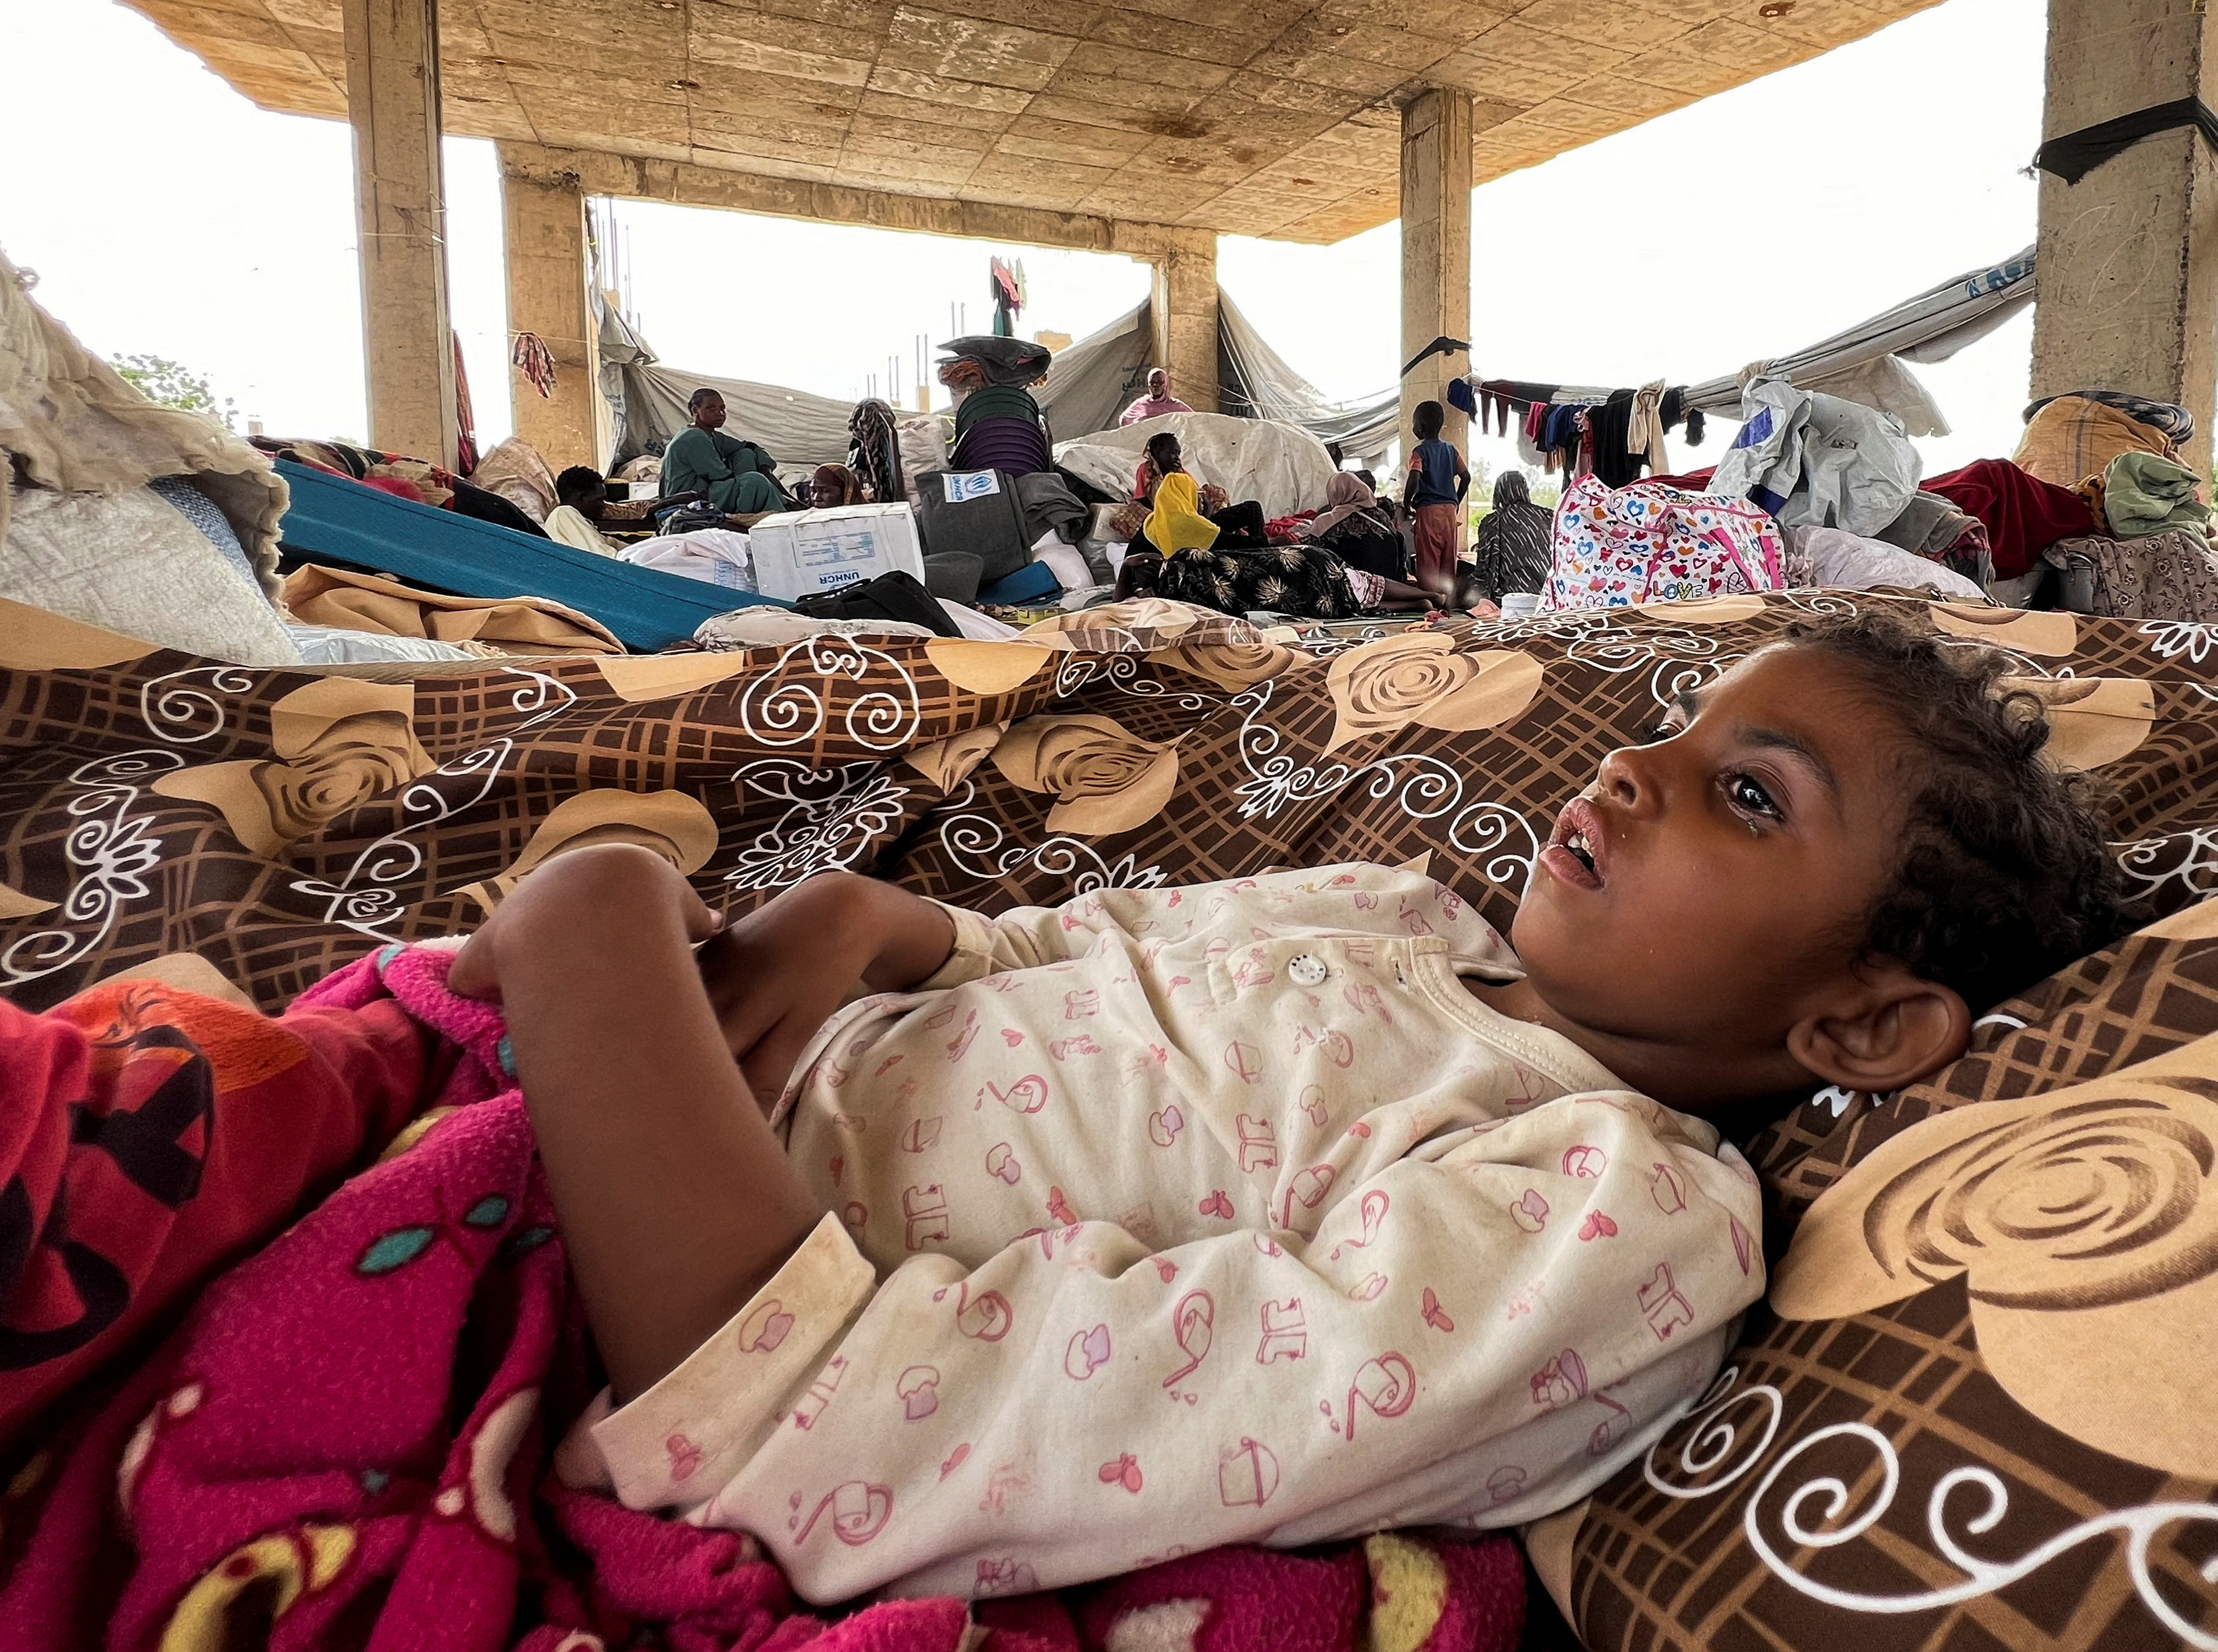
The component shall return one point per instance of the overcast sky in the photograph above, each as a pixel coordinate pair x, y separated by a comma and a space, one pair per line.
168, 215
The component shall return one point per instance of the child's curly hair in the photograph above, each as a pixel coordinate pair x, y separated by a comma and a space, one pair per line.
2006, 873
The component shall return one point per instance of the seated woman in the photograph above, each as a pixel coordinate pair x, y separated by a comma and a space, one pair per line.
833, 485
1514, 541
738, 477
1357, 530
1240, 526
1181, 555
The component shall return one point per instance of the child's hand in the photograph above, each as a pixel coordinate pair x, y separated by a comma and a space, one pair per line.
776, 975
566, 900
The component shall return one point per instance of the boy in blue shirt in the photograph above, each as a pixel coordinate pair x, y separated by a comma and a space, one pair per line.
1437, 480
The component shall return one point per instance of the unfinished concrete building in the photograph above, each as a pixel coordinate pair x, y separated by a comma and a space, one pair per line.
1144, 127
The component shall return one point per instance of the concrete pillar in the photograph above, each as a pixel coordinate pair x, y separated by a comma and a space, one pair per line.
393, 101
1182, 307
2128, 256
1435, 247
547, 294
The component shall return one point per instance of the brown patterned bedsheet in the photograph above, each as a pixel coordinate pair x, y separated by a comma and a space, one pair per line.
1980, 1410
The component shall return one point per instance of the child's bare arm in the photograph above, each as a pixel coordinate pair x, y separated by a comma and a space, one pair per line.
676, 1200
777, 974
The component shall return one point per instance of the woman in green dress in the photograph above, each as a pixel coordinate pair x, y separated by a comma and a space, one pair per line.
737, 477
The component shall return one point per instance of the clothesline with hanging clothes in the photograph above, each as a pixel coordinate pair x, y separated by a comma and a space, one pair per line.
1579, 429
1862, 363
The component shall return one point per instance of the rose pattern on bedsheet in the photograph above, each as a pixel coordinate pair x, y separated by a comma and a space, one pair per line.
1876, 1463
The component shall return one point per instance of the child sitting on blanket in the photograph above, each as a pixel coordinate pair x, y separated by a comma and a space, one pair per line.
1280, 1209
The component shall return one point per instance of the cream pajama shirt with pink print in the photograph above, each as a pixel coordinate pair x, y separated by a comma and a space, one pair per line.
1185, 1216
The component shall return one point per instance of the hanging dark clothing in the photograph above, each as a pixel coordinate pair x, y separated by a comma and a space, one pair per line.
1611, 424
874, 449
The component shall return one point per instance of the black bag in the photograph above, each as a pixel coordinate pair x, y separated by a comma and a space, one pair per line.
896, 595
686, 519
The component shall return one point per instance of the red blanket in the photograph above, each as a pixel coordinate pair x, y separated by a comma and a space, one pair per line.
349, 1441
2024, 516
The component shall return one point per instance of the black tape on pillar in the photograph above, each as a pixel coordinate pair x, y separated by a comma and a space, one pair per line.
2076, 154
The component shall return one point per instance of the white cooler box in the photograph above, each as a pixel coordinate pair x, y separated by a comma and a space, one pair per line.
800, 553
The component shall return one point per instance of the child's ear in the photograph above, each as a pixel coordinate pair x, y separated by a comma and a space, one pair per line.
1899, 1030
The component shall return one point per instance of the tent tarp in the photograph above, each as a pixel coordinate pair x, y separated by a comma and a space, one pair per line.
1255, 381
1088, 384
801, 431
1930, 327
1091, 381
1280, 465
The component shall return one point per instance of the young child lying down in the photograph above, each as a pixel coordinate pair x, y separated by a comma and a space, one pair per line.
1278, 1210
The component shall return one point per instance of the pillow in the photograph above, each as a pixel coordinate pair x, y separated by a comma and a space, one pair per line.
331, 644
196, 507
131, 562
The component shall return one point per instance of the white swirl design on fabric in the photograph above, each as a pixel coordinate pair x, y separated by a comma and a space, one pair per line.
1484, 827
2187, 859
171, 708
1715, 1440
836, 815
1713, 1437
979, 845
2138, 1525
2170, 639
1431, 788
110, 847
544, 696
1122, 673
367, 899
780, 710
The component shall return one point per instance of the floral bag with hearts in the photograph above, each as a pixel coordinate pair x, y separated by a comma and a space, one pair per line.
1652, 543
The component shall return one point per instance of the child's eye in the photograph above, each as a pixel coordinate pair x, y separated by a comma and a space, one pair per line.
1746, 794
1663, 731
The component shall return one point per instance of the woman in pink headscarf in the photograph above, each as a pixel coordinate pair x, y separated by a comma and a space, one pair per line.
1357, 530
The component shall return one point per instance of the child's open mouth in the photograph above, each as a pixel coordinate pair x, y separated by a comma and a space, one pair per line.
1574, 852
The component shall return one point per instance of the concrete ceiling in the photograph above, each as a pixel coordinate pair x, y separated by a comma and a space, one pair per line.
1276, 118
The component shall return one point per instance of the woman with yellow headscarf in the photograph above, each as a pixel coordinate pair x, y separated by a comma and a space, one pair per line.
1222, 561
1176, 524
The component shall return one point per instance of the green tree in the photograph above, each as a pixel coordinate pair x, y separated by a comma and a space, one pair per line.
171, 383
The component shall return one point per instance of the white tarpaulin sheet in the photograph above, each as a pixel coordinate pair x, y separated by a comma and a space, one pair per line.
1255, 381
801, 431
1930, 327
1282, 466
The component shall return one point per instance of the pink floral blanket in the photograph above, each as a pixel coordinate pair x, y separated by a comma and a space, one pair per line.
349, 1443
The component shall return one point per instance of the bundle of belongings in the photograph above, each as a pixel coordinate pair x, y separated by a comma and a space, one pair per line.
406, 478
162, 525
310, 1369
998, 424
1651, 542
